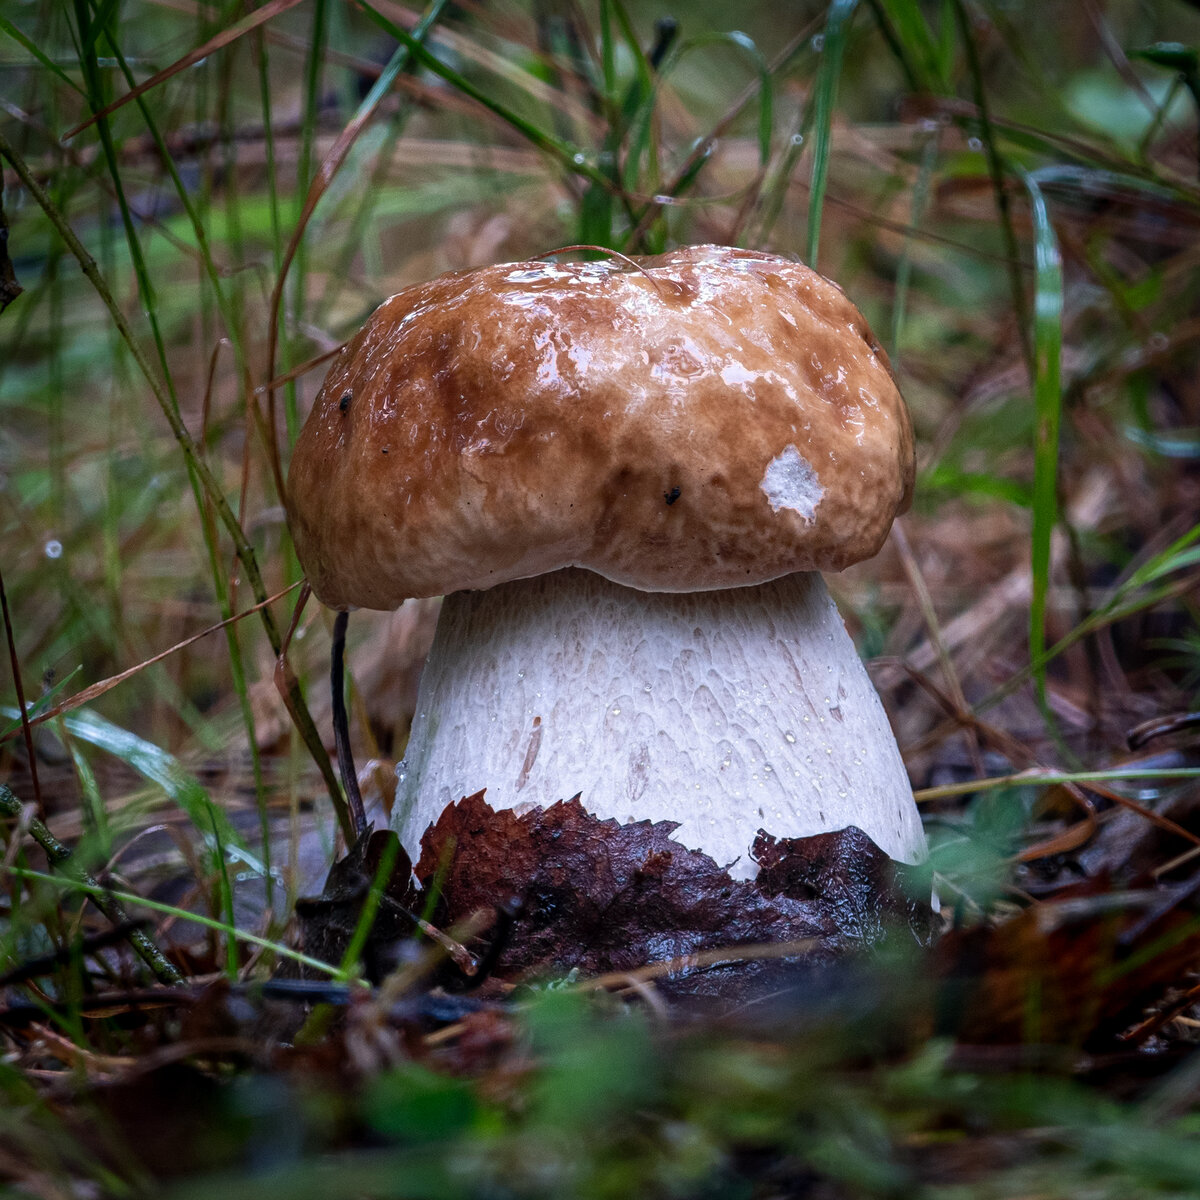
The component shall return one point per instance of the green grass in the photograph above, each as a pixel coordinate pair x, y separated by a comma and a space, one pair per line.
1007, 191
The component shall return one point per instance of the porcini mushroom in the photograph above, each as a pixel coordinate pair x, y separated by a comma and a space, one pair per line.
625, 477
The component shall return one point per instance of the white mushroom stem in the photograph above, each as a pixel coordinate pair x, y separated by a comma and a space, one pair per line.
727, 712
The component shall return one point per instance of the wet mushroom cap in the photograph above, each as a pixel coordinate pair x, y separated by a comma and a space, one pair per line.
710, 418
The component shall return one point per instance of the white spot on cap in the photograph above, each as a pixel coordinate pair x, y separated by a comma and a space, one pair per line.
791, 482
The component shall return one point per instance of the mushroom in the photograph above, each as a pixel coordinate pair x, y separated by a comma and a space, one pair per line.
625, 476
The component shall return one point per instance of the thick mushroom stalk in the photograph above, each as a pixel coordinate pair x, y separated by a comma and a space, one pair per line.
726, 712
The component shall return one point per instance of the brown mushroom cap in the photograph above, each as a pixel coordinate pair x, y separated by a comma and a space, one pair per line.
714, 419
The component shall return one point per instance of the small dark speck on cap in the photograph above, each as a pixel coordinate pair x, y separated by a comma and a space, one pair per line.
344, 402
671, 496
385, 449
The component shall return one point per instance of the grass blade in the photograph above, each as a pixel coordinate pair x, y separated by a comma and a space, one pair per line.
911, 41
1041, 777
163, 769
996, 172
369, 911
330, 165
1047, 394
920, 196
833, 47
641, 122
568, 156
135, 901
235, 31
6, 26
1179, 554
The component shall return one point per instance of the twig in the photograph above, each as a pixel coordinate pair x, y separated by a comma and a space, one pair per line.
700, 960
96, 690
341, 724
288, 687
920, 590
